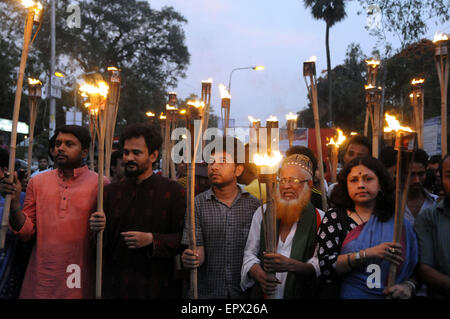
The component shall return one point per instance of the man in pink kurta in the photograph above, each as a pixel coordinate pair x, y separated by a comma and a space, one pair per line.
56, 214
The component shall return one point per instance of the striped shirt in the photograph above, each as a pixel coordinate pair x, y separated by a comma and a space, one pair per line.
223, 232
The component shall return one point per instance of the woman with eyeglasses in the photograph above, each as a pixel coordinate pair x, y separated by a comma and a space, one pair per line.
355, 238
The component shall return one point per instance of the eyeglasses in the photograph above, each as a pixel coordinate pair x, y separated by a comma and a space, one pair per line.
291, 180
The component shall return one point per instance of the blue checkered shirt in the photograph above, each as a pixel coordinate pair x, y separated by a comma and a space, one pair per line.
223, 232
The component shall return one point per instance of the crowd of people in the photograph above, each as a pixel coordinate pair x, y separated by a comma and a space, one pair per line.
344, 252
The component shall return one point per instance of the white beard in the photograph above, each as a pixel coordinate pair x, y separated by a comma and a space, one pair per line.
290, 211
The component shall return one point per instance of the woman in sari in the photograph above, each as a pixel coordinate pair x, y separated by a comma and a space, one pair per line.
355, 239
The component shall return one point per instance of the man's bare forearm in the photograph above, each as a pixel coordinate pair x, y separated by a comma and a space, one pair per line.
434, 277
17, 217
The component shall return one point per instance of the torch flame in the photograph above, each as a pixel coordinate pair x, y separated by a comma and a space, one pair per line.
162, 116
439, 37
224, 94
113, 68
183, 111
265, 160
353, 133
197, 104
32, 81
272, 119
291, 116
36, 6
150, 114
253, 120
312, 59
87, 105
373, 63
341, 138
101, 89
31, 3
171, 108
394, 124
417, 81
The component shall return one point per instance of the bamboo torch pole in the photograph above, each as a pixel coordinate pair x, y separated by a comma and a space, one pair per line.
206, 98
417, 103
111, 114
225, 107
334, 146
255, 125
309, 70
34, 94
373, 100
98, 108
405, 144
442, 66
168, 163
174, 112
34, 12
372, 70
194, 117
163, 121
291, 124
267, 165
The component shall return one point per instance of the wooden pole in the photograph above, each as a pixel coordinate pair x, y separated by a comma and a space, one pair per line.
112, 109
166, 152
32, 102
334, 162
417, 99
442, 66
192, 115
206, 98
401, 188
102, 123
309, 70
15, 120
376, 124
366, 122
93, 139
269, 217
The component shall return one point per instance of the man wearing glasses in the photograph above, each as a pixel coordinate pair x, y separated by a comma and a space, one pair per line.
295, 263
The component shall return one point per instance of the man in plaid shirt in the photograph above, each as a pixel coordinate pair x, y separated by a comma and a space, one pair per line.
223, 215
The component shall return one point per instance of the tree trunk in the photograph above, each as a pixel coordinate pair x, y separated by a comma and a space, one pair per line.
330, 90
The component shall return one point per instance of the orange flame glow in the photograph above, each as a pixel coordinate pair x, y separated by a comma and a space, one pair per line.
341, 138
224, 94
32, 81
394, 124
291, 116
417, 81
197, 104
268, 161
101, 89
440, 37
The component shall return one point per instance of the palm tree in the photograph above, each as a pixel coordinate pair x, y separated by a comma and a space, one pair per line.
332, 11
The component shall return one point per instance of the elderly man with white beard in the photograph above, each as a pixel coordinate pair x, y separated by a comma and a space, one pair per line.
295, 263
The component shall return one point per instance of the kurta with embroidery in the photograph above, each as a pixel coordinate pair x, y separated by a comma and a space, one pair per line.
157, 205
57, 213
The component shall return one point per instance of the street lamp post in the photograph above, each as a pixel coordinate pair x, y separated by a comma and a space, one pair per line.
256, 68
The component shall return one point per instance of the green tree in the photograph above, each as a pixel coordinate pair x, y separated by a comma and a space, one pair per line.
407, 19
332, 12
416, 60
147, 44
